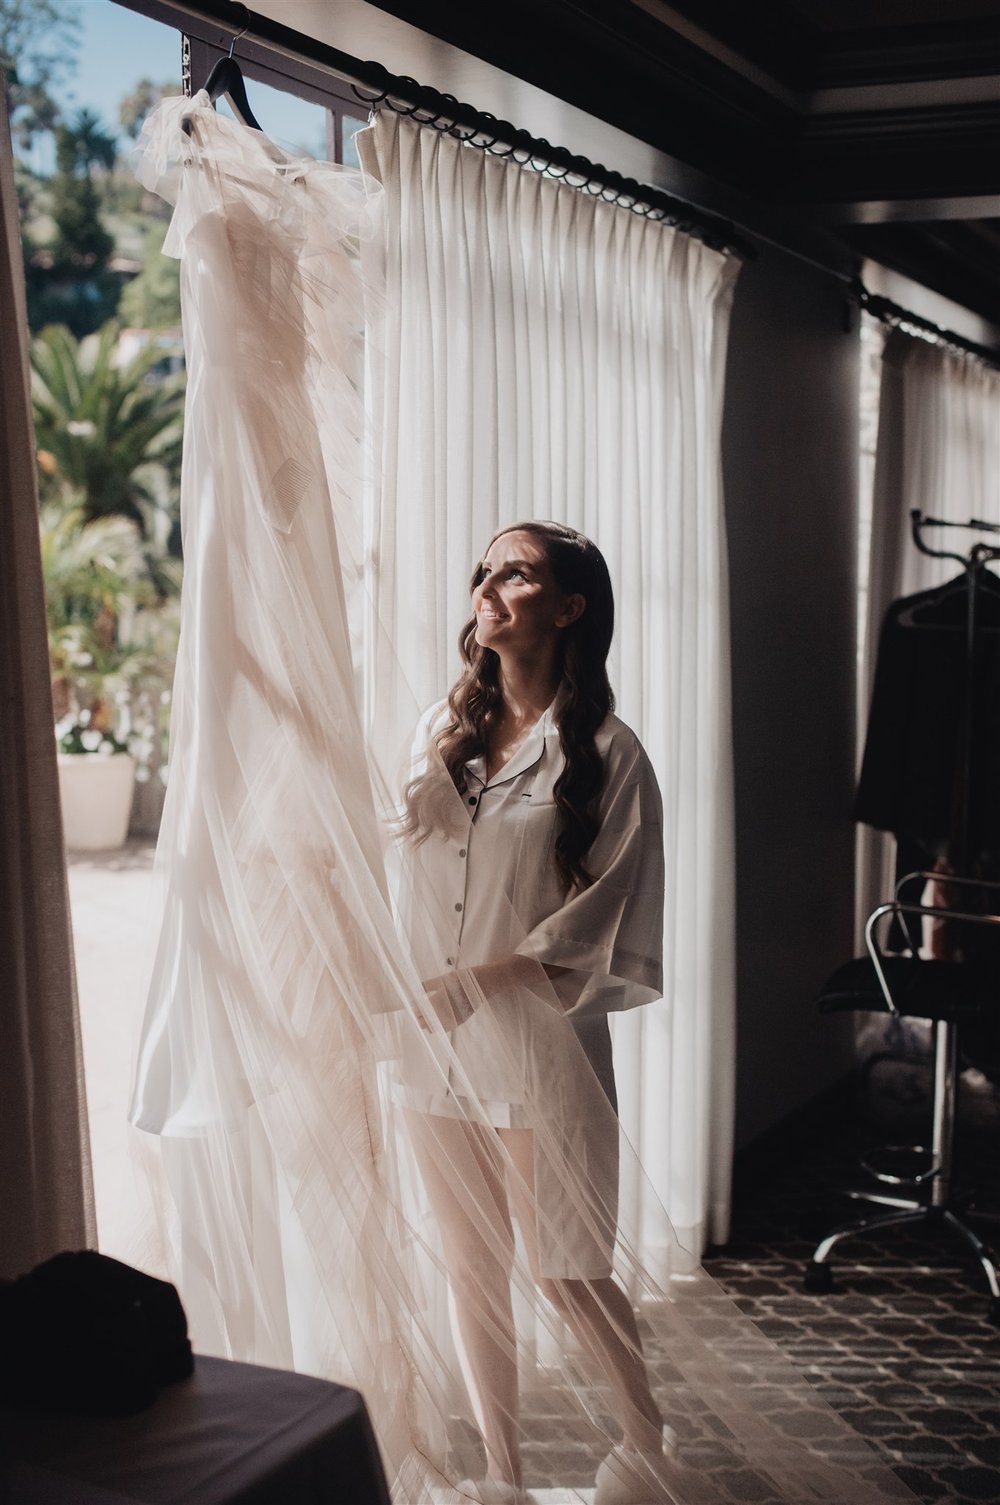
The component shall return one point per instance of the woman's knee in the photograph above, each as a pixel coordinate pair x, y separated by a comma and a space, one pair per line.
562, 1294
474, 1263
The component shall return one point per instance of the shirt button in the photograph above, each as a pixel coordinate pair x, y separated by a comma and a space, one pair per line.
450, 960
461, 851
472, 799
458, 907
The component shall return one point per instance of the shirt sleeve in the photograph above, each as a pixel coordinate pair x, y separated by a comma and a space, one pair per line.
613, 930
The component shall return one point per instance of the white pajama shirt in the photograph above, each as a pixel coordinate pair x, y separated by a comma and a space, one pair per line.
486, 885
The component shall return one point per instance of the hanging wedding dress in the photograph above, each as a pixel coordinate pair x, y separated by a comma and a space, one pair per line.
288, 1058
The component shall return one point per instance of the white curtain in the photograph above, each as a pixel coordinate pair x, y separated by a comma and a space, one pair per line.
939, 450
549, 355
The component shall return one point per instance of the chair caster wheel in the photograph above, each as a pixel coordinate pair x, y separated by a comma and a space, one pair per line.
993, 1311
818, 1278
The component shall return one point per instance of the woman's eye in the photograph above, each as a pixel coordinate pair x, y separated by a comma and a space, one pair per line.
519, 573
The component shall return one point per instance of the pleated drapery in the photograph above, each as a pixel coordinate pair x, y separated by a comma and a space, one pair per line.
552, 356
939, 450
44, 1155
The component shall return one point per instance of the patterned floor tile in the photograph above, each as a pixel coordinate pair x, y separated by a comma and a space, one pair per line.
902, 1347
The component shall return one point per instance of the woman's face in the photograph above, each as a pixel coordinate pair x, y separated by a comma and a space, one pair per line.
518, 606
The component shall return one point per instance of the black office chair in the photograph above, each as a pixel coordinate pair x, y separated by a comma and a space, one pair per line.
949, 994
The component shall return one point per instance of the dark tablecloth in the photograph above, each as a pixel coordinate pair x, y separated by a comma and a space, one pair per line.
234, 1434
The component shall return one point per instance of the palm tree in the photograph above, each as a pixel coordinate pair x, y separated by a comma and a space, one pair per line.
83, 144
111, 431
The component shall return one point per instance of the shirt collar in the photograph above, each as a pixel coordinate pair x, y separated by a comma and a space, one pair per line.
527, 755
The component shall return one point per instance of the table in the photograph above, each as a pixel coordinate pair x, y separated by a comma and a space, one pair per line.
233, 1434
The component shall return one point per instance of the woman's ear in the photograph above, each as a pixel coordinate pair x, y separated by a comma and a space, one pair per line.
572, 610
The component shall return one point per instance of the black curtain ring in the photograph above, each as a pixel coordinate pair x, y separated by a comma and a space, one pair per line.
449, 107
521, 143
401, 106
379, 72
427, 100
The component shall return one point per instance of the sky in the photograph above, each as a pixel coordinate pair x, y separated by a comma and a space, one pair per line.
116, 48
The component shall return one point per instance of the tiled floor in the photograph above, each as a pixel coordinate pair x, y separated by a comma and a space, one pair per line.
902, 1346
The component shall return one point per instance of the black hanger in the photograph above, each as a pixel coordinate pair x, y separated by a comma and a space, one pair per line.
226, 78
976, 555
921, 612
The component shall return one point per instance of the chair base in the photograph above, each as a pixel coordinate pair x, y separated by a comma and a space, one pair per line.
818, 1276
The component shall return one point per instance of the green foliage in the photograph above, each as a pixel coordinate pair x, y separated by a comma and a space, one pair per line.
37, 113
135, 106
37, 51
81, 242
107, 629
68, 280
91, 209
152, 300
111, 431
93, 571
82, 145
88, 566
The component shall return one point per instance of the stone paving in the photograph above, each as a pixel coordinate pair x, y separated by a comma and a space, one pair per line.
111, 903
901, 1348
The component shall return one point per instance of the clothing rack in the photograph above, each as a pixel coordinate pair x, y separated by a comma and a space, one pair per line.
960, 846
918, 988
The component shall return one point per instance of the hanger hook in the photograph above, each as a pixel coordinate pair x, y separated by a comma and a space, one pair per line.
243, 32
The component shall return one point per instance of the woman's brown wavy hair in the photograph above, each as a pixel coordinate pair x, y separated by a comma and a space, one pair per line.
585, 698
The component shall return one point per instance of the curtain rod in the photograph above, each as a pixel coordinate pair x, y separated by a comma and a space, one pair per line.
895, 315
445, 112
481, 129
375, 86
884, 309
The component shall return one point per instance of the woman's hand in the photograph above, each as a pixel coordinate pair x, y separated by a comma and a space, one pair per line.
454, 996
447, 1001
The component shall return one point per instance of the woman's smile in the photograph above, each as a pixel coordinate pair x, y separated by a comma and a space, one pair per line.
515, 597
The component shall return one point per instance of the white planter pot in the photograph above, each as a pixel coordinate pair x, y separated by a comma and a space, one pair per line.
96, 793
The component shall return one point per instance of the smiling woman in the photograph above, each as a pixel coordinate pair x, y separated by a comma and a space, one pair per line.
520, 614
543, 619
561, 870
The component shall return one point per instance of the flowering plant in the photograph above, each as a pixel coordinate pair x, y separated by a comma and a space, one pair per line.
77, 734
112, 637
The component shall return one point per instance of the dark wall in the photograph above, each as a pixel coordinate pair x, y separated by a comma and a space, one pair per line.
790, 460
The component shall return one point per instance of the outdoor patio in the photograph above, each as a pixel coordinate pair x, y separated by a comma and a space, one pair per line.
113, 926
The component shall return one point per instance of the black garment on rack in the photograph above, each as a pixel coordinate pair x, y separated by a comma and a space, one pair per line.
913, 746
914, 752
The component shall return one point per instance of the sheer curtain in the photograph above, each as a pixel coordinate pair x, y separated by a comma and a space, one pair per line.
44, 1156
549, 355
939, 450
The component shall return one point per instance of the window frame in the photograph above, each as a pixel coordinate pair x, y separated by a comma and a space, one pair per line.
203, 42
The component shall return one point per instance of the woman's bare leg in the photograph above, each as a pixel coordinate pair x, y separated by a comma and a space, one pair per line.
598, 1312
462, 1171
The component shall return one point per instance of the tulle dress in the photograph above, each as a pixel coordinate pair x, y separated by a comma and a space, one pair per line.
284, 1015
